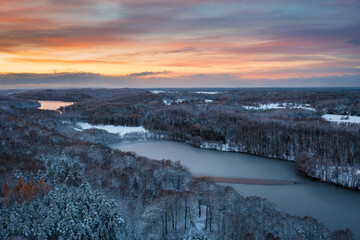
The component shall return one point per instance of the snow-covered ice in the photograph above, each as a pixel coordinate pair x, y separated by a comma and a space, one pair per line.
341, 118
121, 130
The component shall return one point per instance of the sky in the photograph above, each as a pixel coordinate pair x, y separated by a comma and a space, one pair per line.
181, 43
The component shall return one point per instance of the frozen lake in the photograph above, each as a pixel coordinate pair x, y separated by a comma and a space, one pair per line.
336, 207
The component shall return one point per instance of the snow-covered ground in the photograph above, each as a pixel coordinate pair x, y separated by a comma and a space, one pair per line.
121, 130
343, 176
211, 93
167, 101
341, 118
265, 106
200, 221
181, 100
280, 106
300, 106
156, 91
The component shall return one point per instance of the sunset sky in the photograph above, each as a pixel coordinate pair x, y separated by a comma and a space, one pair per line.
182, 43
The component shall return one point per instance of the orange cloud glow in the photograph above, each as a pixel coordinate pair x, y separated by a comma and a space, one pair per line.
246, 40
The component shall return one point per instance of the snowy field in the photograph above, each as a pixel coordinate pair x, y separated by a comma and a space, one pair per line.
341, 118
121, 130
280, 106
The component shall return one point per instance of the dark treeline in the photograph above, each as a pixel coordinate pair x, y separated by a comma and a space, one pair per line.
344, 101
96, 192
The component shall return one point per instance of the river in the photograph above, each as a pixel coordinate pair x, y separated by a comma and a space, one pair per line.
336, 207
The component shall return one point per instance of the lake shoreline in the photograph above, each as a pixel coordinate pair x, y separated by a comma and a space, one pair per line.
155, 136
291, 191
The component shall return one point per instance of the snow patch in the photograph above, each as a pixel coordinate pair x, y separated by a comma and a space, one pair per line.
208, 101
121, 130
179, 100
211, 93
200, 221
157, 91
167, 102
305, 107
220, 147
341, 118
279, 106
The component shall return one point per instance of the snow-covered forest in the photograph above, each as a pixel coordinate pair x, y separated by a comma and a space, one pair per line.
61, 183
278, 123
